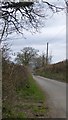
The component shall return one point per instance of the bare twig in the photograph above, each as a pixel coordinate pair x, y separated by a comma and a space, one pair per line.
22, 15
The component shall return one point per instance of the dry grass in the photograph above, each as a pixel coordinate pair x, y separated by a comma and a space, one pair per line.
22, 98
13, 77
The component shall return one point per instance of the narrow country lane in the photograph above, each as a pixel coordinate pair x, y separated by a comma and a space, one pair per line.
56, 96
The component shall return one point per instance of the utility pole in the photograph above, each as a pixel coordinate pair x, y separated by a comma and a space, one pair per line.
43, 60
47, 54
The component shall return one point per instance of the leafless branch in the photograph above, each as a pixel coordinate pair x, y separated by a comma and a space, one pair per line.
22, 15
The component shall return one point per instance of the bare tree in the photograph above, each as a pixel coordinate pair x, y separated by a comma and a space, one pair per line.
6, 51
26, 55
17, 16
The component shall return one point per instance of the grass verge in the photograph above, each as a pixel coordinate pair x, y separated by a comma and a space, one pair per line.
22, 97
34, 104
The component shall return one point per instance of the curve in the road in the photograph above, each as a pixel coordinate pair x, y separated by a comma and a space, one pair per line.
56, 96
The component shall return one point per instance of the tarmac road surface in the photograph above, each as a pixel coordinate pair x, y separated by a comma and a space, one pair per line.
56, 96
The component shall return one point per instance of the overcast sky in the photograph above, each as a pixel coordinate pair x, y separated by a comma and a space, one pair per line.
54, 32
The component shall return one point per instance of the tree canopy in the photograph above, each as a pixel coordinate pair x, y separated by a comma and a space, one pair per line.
17, 16
26, 55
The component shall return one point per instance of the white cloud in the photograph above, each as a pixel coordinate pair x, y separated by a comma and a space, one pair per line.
53, 32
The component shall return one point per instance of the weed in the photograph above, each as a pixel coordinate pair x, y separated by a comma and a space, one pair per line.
20, 92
